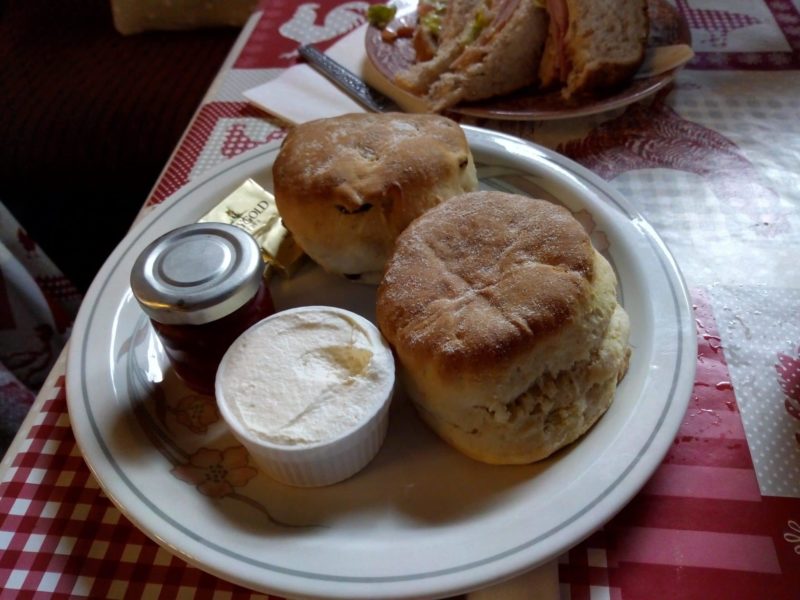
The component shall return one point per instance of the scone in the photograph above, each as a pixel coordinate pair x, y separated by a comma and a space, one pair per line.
506, 325
347, 186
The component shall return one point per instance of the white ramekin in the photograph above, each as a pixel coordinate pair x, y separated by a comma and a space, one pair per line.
326, 462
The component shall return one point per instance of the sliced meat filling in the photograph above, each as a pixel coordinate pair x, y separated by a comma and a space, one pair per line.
487, 23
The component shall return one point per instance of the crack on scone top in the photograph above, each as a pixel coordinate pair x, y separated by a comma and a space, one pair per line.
462, 292
368, 153
458, 290
347, 211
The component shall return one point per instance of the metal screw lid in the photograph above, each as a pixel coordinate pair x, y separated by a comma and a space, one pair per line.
197, 274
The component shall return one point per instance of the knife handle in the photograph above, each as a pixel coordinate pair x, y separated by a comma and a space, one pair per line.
347, 81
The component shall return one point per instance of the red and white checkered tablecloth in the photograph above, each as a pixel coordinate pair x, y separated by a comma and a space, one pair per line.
712, 164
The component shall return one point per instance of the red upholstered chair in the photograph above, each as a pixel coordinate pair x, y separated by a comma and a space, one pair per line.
89, 118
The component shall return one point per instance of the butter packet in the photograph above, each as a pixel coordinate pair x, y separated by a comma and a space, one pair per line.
252, 208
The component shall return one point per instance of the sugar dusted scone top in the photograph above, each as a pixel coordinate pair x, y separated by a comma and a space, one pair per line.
347, 186
464, 288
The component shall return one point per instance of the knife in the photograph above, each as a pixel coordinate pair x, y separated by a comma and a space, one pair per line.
347, 81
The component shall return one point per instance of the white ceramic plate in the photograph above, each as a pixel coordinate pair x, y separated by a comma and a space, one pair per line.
421, 520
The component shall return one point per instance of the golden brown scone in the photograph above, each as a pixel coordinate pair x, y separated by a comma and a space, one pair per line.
506, 325
347, 186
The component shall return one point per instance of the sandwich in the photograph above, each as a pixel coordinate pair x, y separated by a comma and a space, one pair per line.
593, 46
479, 48
475, 49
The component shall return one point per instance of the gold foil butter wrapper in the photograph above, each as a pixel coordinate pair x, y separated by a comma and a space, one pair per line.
252, 208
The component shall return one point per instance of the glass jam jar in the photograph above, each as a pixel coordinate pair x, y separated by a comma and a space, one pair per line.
201, 285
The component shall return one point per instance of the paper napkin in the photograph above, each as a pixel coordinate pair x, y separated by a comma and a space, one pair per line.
300, 94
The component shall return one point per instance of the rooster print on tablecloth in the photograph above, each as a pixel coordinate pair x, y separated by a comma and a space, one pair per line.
238, 139
788, 369
304, 26
716, 23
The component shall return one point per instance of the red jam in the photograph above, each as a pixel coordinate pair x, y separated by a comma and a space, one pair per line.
195, 351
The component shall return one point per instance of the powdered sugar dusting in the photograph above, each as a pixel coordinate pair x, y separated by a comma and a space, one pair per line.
460, 278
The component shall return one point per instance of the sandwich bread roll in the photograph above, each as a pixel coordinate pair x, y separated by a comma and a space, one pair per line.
592, 45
